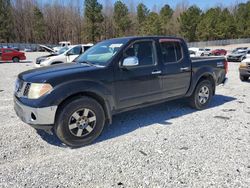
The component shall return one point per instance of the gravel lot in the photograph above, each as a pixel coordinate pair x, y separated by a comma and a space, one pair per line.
167, 145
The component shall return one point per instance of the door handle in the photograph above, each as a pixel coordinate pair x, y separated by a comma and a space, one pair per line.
156, 72
184, 69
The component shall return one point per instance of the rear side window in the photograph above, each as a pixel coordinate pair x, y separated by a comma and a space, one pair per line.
8, 51
171, 52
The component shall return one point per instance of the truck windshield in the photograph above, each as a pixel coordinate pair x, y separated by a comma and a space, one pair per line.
102, 52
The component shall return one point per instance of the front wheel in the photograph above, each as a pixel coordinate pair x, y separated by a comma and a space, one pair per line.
202, 95
80, 122
244, 78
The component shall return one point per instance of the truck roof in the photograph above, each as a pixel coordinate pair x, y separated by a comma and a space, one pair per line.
148, 37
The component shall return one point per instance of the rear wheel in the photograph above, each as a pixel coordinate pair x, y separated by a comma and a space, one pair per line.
15, 59
80, 122
202, 95
244, 78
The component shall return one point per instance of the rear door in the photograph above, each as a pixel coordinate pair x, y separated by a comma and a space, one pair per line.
176, 73
142, 83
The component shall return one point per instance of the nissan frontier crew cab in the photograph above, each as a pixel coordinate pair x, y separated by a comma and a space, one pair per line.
116, 75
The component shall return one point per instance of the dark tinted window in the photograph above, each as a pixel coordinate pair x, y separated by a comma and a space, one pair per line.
171, 51
144, 51
85, 48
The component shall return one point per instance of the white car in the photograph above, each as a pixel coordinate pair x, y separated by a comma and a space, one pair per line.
65, 55
201, 51
62, 45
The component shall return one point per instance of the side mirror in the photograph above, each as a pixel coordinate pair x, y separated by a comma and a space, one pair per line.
130, 62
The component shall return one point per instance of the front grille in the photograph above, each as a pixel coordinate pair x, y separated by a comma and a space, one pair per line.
26, 89
22, 88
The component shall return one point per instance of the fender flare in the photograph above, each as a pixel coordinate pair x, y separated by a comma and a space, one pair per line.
205, 72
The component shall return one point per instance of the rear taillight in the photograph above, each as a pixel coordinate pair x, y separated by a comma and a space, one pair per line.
226, 66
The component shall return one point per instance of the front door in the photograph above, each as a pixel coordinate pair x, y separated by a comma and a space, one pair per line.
141, 83
73, 53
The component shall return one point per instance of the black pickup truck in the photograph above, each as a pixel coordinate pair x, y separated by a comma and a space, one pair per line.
114, 76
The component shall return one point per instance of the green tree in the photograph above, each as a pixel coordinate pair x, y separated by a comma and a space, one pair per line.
6, 25
142, 13
93, 19
242, 17
166, 13
39, 25
189, 21
121, 18
152, 24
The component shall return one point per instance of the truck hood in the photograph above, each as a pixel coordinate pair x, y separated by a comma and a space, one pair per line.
43, 74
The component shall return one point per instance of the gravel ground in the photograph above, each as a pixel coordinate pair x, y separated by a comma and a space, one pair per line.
167, 145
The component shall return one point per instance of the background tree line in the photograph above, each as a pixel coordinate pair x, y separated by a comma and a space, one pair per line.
32, 21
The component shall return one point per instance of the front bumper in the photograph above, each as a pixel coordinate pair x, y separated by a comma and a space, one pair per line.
39, 118
244, 71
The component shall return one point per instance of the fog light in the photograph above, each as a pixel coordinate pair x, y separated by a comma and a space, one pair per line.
33, 117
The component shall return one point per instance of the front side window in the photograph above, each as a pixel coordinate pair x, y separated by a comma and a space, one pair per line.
144, 51
76, 50
171, 52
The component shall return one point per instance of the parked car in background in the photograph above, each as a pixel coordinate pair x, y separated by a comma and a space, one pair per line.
239, 49
192, 53
62, 44
244, 69
28, 50
64, 55
116, 75
219, 52
8, 54
201, 51
238, 55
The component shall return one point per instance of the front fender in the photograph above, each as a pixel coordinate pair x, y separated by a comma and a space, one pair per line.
67, 89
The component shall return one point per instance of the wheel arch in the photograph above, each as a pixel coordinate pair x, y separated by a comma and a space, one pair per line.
205, 74
91, 94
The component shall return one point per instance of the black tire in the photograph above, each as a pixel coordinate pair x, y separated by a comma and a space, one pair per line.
66, 114
16, 59
244, 78
195, 99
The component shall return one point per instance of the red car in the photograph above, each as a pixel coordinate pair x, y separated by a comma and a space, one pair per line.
8, 54
219, 52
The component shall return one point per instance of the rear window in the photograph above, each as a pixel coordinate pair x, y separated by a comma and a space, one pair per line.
171, 52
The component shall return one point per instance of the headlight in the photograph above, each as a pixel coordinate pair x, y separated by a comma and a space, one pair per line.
37, 90
243, 65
